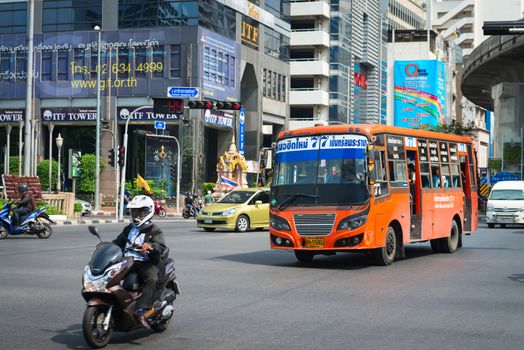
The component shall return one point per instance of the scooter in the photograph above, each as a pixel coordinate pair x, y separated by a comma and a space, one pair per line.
30, 224
111, 289
160, 210
191, 211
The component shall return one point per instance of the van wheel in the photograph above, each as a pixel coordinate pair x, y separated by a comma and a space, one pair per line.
491, 225
386, 255
450, 244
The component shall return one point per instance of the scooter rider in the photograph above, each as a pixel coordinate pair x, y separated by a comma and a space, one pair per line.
24, 206
142, 233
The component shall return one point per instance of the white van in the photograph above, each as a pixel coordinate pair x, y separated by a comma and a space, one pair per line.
506, 204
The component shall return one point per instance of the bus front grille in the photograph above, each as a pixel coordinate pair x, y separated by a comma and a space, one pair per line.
314, 224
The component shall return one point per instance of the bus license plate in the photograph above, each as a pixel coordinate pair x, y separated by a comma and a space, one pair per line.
208, 221
314, 242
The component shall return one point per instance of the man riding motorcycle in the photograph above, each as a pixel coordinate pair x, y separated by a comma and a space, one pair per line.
24, 206
145, 235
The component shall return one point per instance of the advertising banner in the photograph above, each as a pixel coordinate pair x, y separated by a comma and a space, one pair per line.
219, 66
420, 93
145, 113
11, 115
218, 119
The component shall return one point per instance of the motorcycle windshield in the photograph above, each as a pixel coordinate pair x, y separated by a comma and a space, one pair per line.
108, 254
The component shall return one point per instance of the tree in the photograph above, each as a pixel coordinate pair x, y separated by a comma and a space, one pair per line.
86, 183
455, 128
42, 170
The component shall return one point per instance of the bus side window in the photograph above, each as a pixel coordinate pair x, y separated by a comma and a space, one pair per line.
379, 173
435, 176
455, 173
424, 175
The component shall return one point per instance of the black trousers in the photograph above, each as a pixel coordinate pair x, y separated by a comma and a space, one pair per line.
18, 213
148, 277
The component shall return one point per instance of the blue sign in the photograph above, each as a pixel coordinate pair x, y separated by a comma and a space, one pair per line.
160, 125
182, 92
241, 121
504, 176
420, 93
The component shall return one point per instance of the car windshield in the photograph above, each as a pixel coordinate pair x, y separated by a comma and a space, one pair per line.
322, 170
508, 195
237, 197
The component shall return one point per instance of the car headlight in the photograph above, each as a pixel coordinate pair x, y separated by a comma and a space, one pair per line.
352, 222
229, 212
278, 223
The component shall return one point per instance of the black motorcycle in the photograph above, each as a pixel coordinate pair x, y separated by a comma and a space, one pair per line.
111, 289
191, 211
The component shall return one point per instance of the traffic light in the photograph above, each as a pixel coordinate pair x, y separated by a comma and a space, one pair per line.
229, 105
112, 157
201, 104
121, 155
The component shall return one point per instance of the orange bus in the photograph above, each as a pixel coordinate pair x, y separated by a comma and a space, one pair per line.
371, 188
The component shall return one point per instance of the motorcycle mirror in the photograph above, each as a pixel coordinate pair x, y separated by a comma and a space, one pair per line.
94, 232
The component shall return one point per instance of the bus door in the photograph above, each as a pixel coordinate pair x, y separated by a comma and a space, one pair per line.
415, 194
467, 175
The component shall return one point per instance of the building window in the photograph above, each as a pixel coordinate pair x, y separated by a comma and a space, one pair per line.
62, 65
142, 65
276, 44
123, 63
264, 72
174, 62
157, 13
21, 64
47, 66
217, 17
67, 15
79, 64
94, 64
13, 18
158, 61
279, 8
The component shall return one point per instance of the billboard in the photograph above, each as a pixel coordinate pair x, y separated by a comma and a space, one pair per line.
420, 93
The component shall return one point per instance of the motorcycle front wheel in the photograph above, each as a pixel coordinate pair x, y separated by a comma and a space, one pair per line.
93, 326
162, 213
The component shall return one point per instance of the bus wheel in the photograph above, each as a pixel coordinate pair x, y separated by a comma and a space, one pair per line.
450, 244
491, 225
386, 255
304, 256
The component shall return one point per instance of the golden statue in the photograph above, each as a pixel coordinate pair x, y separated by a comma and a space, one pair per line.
231, 170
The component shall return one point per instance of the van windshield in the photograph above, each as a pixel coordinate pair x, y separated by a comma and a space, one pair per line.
507, 195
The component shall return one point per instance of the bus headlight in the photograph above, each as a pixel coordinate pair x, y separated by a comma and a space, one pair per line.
278, 223
352, 222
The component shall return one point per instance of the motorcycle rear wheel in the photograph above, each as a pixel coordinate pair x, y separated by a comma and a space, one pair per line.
162, 213
46, 233
92, 326
161, 326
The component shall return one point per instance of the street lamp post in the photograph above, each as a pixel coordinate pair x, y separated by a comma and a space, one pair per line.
59, 143
97, 147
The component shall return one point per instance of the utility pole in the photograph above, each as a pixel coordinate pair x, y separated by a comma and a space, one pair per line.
98, 116
29, 90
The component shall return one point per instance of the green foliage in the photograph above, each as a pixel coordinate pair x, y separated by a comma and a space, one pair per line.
3, 202
512, 153
208, 186
86, 183
42, 170
453, 128
158, 188
13, 165
77, 208
49, 209
495, 164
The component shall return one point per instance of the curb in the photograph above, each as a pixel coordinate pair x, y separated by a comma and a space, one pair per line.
104, 221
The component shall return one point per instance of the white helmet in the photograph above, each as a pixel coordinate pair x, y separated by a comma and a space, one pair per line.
142, 209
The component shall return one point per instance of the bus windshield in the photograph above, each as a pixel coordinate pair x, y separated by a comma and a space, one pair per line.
320, 170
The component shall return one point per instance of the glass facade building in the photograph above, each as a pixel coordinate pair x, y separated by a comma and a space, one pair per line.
228, 50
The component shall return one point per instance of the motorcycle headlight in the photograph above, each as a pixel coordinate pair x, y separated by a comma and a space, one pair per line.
352, 222
229, 212
278, 223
